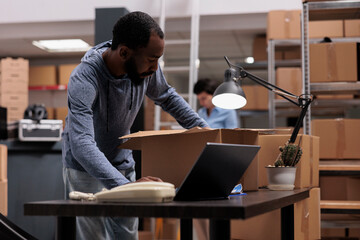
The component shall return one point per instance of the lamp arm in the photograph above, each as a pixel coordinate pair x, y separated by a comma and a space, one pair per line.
279, 91
304, 109
303, 102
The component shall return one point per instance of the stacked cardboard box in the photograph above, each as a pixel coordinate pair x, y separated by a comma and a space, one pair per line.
3, 180
352, 28
334, 62
338, 138
285, 24
290, 80
14, 80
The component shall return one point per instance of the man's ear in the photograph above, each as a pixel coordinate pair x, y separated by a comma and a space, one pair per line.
124, 52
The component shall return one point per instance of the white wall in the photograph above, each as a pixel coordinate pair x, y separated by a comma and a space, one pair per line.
19, 11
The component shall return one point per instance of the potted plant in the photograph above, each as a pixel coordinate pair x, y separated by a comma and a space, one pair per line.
281, 176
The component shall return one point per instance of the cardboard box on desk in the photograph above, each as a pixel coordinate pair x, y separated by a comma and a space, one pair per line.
339, 138
170, 154
267, 226
307, 172
334, 62
4, 197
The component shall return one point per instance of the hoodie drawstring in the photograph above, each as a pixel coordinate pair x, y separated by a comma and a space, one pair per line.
131, 99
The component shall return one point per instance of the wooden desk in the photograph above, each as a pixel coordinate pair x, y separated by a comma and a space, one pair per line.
218, 211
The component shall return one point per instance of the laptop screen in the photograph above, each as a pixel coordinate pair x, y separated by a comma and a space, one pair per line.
217, 170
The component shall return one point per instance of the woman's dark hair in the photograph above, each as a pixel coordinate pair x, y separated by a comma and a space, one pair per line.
134, 29
206, 85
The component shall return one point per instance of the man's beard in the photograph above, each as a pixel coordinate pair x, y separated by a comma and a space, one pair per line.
131, 70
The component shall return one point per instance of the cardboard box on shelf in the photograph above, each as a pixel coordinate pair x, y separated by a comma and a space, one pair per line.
352, 28
170, 154
257, 97
64, 73
42, 76
338, 138
282, 24
259, 50
292, 53
61, 113
331, 28
290, 80
3, 162
334, 62
4, 197
307, 172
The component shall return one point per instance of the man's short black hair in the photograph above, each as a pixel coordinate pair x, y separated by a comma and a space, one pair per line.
206, 85
133, 30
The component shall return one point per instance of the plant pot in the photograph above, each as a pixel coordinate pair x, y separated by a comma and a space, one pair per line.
281, 178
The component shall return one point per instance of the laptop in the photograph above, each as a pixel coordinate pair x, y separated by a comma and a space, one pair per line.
216, 172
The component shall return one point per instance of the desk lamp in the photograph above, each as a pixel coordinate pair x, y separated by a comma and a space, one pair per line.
230, 95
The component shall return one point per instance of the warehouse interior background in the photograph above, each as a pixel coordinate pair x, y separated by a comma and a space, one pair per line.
237, 29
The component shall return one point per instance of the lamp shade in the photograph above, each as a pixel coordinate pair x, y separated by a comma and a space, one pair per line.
229, 95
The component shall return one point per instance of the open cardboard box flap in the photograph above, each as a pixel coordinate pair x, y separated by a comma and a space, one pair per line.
135, 139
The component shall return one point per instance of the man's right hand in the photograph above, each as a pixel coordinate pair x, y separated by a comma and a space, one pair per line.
149, 179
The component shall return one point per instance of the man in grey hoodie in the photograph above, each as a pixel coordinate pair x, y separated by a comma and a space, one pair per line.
105, 93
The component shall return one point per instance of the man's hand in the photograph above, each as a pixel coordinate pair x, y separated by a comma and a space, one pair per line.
149, 179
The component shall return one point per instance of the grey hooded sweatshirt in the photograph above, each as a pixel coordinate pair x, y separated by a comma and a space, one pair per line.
102, 108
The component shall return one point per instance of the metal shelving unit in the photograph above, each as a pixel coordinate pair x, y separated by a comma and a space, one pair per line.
315, 11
